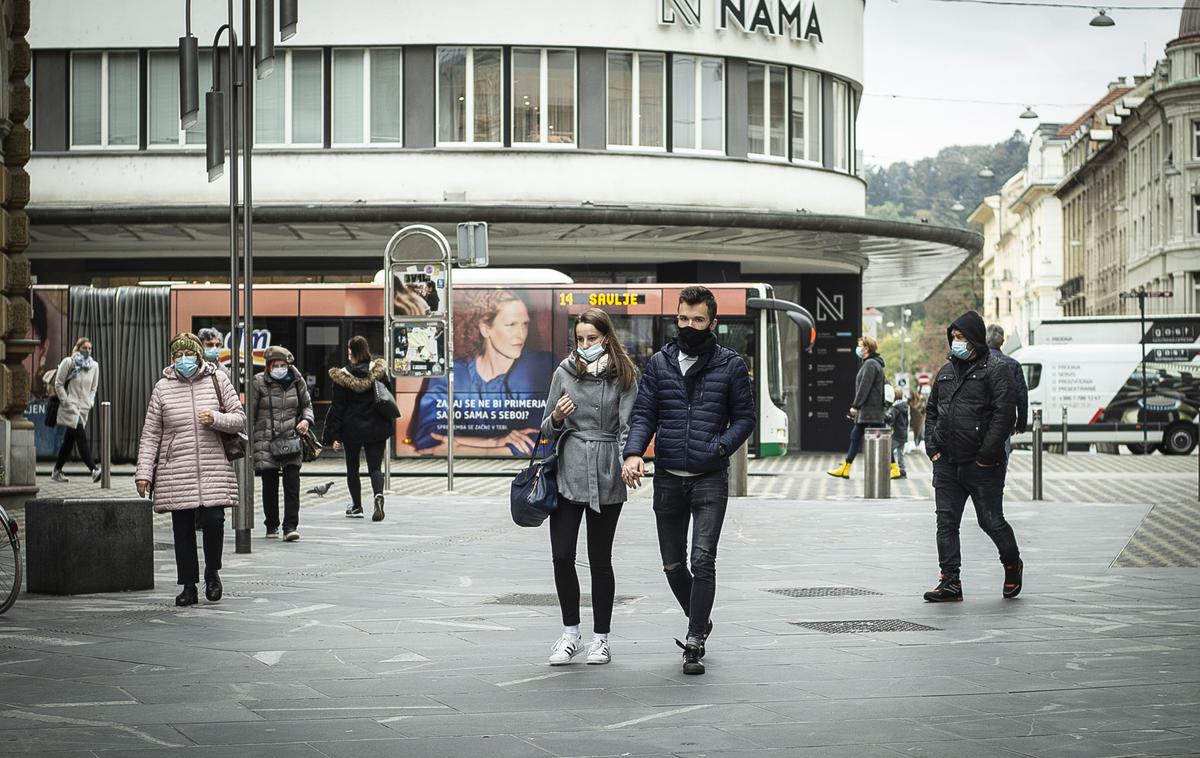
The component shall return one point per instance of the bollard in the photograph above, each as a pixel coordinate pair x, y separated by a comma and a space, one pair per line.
1064, 435
739, 473
106, 445
877, 444
1037, 454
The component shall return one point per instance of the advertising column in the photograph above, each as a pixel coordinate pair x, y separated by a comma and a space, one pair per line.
827, 373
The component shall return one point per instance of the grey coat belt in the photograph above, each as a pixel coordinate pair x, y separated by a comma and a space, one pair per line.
593, 441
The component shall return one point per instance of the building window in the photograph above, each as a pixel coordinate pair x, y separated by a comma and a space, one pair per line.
366, 96
104, 100
637, 95
767, 110
698, 104
162, 91
1196, 140
806, 116
543, 97
1196, 214
288, 104
470, 95
843, 143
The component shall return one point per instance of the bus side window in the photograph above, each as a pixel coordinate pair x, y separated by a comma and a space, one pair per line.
1033, 374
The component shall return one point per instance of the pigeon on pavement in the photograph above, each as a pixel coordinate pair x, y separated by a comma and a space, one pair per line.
320, 489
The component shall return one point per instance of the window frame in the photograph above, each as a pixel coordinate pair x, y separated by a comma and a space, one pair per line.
697, 91
288, 120
1196, 139
813, 123
787, 112
468, 94
842, 132
104, 104
544, 98
366, 98
635, 109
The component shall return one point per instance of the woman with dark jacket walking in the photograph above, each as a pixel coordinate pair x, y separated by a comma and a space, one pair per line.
867, 409
587, 414
355, 426
283, 411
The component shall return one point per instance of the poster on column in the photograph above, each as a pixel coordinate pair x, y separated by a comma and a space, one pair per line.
827, 373
502, 369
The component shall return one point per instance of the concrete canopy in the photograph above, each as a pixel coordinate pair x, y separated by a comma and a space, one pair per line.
901, 262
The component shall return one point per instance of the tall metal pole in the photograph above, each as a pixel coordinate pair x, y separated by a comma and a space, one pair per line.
1145, 411
449, 371
106, 445
245, 521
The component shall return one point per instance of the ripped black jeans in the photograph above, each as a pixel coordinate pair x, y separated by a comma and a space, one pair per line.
699, 502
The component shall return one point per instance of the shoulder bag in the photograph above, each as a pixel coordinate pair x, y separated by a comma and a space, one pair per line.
310, 448
52, 403
281, 447
385, 402
234, 443
533, 495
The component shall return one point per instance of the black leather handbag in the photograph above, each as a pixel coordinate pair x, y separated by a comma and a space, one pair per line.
234, 444
533, 495
385, 402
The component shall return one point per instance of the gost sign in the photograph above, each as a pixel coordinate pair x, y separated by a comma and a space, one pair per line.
795, 19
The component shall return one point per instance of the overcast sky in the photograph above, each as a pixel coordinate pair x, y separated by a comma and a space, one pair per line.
1047, 57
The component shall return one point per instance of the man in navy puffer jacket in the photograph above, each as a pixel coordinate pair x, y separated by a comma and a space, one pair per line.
695, 399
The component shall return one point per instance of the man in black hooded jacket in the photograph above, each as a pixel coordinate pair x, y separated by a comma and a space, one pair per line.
969, 417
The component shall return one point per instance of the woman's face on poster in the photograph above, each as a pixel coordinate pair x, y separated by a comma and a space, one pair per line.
507, 333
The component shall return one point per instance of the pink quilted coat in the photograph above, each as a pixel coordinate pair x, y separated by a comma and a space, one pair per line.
181, 458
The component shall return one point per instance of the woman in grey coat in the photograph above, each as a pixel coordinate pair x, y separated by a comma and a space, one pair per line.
867, 409
587, 414
283, 410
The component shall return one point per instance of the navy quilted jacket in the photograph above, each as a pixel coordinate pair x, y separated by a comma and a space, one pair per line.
691, 417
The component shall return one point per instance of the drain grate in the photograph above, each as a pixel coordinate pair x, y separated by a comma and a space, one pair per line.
549, 599
865, 626
822, 591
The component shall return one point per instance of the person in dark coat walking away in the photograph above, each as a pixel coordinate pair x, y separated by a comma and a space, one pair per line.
897, 418
353, 424
995, 341
587, 414
283, 410
696, 400
867, 409
970, 415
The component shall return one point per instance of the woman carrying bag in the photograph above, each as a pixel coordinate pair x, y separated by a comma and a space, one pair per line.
74, 384
588, 409
283, 414
357, 425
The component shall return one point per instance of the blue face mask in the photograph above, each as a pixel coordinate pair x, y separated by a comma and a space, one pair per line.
187, 365
589, 354
858, 351
960, 349
211, 353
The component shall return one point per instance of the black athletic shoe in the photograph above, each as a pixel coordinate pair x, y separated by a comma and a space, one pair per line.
212, 585
354, 511
1012, 578
189, 596
378, 514
948, 590
691, 656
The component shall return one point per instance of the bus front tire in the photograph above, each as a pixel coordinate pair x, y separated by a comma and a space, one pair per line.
1179, 439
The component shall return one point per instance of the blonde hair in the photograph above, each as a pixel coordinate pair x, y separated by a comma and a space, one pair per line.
870, 345
80, 343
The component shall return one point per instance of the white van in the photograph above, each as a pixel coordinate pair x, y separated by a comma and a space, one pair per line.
1101, 388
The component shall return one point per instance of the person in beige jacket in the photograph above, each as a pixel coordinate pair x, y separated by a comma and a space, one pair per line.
75, 383
182, 462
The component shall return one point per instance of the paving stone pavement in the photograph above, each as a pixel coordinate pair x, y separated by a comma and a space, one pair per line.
403, 638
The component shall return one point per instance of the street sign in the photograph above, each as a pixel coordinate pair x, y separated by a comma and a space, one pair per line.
473, 244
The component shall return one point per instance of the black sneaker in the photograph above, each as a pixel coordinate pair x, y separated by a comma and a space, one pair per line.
1012, 578
691, 656
378, 514
354, 511
272, 534
189, 596
704, 640
948, 590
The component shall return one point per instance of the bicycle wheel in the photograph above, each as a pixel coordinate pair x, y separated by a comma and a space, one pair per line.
10, 562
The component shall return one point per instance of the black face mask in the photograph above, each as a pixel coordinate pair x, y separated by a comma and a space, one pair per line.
695, 341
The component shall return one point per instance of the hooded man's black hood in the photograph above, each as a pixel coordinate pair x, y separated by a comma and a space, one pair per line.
971, 325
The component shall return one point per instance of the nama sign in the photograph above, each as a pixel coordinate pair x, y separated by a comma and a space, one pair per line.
795, 19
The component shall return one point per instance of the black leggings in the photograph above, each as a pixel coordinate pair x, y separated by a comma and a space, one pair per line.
211, 522
76, 437
374, 451
564, 534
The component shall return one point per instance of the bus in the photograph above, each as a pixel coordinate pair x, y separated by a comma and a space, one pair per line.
315, 321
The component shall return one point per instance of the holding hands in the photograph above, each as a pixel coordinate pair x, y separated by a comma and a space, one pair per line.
633, 470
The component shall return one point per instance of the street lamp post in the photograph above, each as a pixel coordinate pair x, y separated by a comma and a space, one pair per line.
1140, 294
241, 370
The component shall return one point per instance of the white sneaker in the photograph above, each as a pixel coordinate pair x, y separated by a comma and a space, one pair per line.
598, 653
565, 648
58, 476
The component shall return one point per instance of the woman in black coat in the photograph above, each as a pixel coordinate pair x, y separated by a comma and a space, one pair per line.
353, 424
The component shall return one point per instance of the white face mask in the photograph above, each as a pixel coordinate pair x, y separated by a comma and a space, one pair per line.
279, 373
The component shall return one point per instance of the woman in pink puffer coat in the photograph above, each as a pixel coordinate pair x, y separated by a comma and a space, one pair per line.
181, 460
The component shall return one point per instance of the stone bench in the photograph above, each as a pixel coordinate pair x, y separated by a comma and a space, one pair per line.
75, 546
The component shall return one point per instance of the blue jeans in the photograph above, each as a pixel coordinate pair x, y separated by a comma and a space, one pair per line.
953, 483
699, 502
856, 437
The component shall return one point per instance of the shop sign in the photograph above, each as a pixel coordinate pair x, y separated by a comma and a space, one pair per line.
794, 19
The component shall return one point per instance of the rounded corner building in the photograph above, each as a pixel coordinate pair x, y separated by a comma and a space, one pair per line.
629, 141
